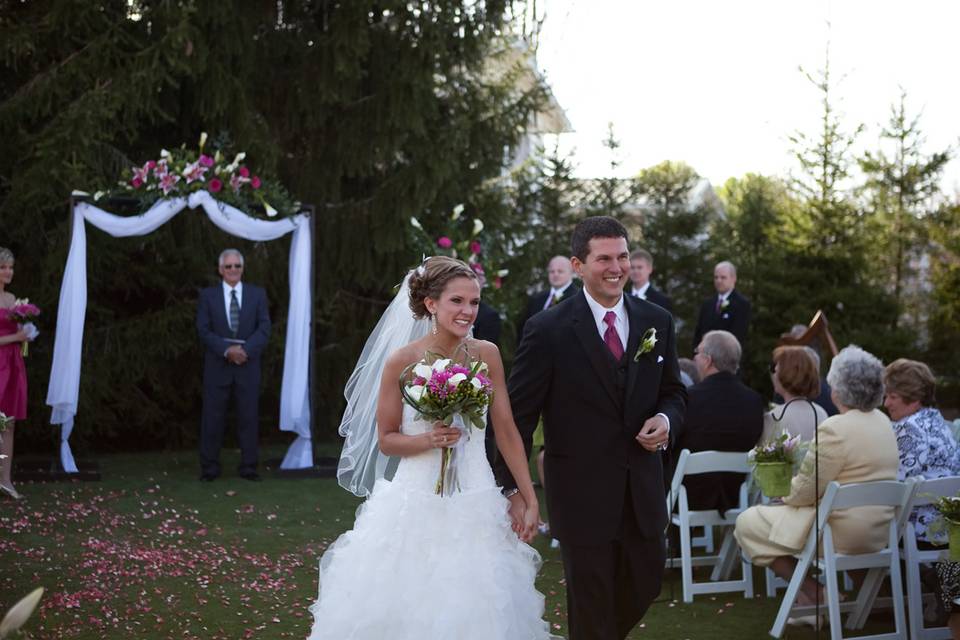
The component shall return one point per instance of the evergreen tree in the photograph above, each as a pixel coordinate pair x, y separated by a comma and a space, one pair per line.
902, 184
674, 231
375, 112
609, 195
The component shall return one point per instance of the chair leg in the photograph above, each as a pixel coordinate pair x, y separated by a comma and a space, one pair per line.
914, 599
790, 596
865, 599
686, 562
725, 559
896, 588
833, 603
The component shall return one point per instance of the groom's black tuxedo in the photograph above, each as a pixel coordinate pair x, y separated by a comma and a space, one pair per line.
603, 488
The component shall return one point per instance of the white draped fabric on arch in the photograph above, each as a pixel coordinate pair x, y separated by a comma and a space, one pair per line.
64, 389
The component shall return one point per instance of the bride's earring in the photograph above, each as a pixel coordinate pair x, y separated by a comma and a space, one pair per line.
433, 323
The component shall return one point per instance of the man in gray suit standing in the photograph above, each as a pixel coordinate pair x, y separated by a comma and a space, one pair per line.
233, 321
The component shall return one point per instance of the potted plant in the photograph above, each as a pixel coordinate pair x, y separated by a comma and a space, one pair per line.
949, 508
773, 464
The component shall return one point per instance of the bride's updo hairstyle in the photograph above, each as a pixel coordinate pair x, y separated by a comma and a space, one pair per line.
431, 278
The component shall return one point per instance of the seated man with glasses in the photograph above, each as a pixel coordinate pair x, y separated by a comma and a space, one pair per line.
233, 321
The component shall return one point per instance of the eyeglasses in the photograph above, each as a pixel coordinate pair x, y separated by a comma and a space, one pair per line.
233, 266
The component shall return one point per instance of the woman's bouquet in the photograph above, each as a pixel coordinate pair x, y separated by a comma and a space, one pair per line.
773, 462
783, 448
24, 313
451, 392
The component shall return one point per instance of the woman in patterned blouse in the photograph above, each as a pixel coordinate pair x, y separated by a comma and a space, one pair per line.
925, 441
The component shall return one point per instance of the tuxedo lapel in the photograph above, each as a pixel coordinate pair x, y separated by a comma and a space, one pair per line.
220, 322
637, 329
586, 331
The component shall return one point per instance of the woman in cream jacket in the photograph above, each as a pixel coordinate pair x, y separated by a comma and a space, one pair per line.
857, 445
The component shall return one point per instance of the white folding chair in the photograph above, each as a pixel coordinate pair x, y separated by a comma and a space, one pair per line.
888, 493
708, 462
927, 492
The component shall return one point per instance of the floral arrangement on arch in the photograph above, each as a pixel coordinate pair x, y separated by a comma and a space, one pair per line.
183, 171
460, 239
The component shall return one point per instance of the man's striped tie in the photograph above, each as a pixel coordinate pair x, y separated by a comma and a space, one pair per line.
234, 313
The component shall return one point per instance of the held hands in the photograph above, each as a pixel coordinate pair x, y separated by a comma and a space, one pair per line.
236, 354
654, 434
525, 519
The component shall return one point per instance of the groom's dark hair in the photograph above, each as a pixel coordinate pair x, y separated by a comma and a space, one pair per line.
595, 227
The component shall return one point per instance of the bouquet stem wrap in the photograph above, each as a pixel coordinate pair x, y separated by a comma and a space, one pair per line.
449, 480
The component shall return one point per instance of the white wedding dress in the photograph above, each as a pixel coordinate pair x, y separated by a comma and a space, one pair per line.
419, 566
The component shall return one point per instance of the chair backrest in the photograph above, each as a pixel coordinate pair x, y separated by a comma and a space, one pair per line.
887, 493
928, 491
689, 464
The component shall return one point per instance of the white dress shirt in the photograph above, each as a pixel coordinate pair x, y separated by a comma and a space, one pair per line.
226, 298
554, 293
599, 312
641, 292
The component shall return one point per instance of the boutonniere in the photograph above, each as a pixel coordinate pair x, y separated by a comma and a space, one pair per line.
647, 343
724, 304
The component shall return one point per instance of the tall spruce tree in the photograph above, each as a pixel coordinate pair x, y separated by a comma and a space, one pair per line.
901, 189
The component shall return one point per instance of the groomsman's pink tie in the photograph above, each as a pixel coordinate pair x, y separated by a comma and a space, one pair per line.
611, 337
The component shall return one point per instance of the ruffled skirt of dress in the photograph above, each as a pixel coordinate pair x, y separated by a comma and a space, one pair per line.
419, 566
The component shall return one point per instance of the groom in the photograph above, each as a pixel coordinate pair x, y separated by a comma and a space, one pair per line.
609, 401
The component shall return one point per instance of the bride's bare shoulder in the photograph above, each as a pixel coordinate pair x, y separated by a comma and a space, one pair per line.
404, 356
485, 350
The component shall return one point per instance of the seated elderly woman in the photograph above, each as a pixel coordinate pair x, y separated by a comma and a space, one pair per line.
924, 439
857, 445
793, 371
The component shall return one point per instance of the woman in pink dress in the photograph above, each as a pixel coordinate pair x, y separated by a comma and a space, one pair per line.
13, 373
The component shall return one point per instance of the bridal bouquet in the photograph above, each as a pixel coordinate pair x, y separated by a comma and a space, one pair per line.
451, 392
24, 313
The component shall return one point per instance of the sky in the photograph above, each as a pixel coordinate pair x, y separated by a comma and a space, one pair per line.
717, 83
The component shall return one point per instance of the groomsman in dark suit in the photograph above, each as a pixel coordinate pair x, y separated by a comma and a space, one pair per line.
723, 414
562, 287
233, 322
641, 266
602, 370
726, 311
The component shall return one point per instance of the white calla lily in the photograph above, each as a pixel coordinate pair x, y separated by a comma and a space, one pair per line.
457, 378
475, 382
415, 223
457, 212
477, 226
441, 364
416, 392
423, 371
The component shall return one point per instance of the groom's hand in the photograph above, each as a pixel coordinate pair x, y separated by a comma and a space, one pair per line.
516, 511
654, 434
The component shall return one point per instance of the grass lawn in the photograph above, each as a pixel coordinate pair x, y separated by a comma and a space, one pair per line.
150, 552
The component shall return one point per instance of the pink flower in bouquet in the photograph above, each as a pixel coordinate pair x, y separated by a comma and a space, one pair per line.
475, 247
23, 312
444, 242
150, 166
215, 185
255, 182
160, 169
206, 160
168, 182
244, 172
236, 182
136, 183
140, 176
194, 172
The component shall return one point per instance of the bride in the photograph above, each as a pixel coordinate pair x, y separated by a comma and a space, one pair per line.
418, 565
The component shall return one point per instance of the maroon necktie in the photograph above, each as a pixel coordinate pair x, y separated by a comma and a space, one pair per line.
611, 337
719, 304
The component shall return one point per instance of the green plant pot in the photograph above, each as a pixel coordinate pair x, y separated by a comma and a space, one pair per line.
954, 531
774, 478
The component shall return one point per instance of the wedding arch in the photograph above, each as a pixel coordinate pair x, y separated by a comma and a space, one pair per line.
64, 388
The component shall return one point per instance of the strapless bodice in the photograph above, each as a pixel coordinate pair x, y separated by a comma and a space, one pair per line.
420, 472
